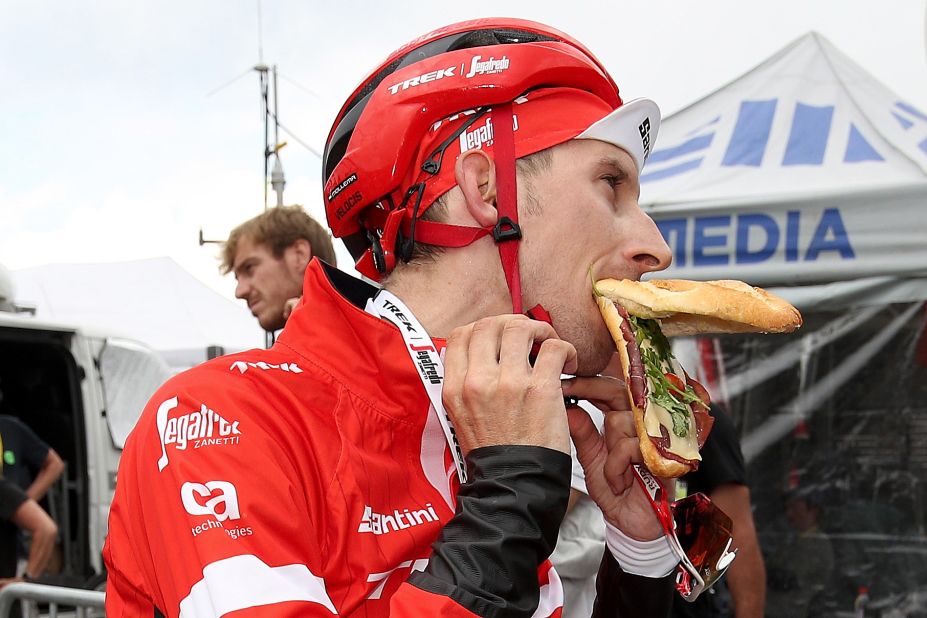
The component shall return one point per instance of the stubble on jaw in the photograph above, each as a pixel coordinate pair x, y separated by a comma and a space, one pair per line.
593, 343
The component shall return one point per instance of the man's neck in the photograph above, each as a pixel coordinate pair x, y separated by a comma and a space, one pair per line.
446, 295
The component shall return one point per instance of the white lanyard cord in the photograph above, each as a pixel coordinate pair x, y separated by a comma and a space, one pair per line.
427, 361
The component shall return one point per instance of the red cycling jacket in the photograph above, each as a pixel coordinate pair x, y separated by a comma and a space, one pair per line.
311, 480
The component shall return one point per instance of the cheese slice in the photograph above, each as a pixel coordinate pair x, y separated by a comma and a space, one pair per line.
656, 415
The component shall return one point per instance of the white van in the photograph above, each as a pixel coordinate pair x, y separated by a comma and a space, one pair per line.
81, 392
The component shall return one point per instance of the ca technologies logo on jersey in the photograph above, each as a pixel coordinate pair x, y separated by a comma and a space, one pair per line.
216, 499
196, 429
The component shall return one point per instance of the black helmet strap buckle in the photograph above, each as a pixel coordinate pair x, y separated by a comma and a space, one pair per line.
506, 229
376, 252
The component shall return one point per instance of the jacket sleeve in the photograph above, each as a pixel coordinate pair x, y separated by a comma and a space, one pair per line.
491, 556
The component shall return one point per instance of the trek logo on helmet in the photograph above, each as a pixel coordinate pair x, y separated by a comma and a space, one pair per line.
486, 67
430, 76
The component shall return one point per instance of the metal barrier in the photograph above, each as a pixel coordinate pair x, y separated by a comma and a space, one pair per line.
30, 595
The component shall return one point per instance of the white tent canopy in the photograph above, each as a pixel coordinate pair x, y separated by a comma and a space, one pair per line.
154, 301
809, 177
805, 170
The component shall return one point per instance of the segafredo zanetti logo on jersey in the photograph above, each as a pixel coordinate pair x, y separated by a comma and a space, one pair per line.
478, 66
384, 523
194, 429
426, 365
242, 366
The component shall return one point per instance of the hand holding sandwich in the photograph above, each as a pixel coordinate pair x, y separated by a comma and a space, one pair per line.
607, 457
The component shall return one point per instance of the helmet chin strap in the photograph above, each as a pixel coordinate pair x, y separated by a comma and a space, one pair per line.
507, 232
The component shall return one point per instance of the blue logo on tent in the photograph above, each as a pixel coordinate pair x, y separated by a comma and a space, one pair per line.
903, 115
812, 127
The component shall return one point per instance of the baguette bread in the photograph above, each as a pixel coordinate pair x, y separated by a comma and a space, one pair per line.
638, 315
692, 307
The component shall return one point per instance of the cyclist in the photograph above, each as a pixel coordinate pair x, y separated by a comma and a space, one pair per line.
404, 451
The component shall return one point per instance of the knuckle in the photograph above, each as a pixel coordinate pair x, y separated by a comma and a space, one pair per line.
453, 339
475, 386
517, 326
484, 324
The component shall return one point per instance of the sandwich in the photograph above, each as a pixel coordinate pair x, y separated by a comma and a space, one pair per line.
671, 410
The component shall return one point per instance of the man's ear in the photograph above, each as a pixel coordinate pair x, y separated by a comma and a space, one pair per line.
302, 252
475, 172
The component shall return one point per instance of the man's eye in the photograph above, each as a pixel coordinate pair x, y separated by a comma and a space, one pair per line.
613, 181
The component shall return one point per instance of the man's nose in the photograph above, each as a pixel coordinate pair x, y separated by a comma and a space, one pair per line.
242, 289
650, 253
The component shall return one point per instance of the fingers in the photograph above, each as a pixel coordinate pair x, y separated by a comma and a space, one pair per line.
508, 340
518, 338
493, 394
456, 362
623, 450
586, 437
555, 357
606, 393
288, 307
485, 341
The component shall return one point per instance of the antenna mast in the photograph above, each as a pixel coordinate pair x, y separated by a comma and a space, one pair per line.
276, 178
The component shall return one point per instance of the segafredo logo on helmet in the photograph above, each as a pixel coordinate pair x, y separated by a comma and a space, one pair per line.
644, 129
483, 134
476, 138
430, 76
488, 66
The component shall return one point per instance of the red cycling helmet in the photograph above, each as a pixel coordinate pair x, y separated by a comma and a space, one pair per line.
382, 162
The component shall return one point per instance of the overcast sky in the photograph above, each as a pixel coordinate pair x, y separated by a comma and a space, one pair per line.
116, 145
